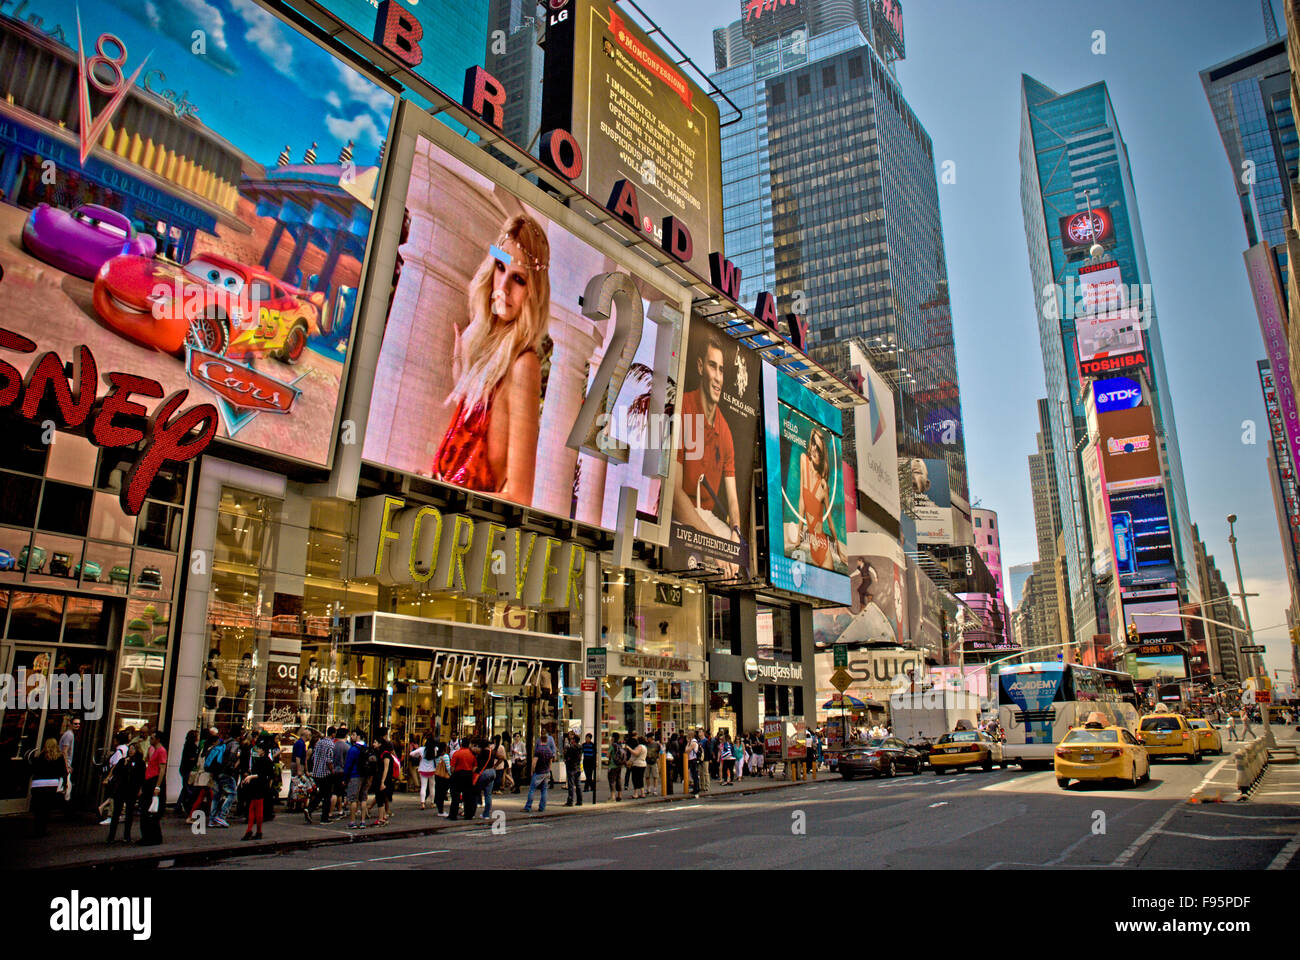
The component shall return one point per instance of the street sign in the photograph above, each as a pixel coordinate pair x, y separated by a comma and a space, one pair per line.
1251, 648
841, 655
595, 663
1262, 697
841, 680
589, 686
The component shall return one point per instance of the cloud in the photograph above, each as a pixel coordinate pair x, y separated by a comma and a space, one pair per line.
266, 35
361, 129
334, 100
178, 19
362, 90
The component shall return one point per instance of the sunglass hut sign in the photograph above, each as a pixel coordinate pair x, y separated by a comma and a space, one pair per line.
419, 544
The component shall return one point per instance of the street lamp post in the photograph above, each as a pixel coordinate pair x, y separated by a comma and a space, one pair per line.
1241, 588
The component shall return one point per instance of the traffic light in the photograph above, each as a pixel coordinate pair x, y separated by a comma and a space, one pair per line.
1133, 637
1295, 635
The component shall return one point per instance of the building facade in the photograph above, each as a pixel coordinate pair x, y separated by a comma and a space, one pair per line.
1075, 168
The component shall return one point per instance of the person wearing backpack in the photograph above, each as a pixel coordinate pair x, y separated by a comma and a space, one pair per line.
652, 749
617, 760
223, 763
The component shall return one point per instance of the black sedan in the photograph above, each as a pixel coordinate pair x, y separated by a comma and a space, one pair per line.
880, 757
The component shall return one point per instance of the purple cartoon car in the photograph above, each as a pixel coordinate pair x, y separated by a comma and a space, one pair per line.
82, 240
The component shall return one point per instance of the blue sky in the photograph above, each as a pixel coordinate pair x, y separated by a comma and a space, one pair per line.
962, 77
248, 52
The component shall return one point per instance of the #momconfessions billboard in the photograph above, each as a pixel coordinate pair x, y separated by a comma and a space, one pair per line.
180, 225
638, 118
519, 360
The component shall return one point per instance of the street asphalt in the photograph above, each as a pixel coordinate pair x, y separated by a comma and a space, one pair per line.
1004, 819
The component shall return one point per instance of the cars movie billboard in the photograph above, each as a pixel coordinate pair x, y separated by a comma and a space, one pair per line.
711, 522
804, 456
164, 212
639, 120
519, 360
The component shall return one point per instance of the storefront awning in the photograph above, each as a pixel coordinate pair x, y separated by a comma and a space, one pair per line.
398, 634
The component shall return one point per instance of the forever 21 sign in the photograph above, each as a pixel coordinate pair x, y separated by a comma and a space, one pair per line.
171, 434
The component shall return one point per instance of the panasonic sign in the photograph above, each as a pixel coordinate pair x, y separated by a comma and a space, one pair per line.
1116, 393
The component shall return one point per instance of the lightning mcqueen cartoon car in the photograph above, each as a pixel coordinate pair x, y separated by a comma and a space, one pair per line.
221, 305
80, 241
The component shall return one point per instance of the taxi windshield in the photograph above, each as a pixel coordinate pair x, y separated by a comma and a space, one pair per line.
1091, 736
964, 736
1161, 723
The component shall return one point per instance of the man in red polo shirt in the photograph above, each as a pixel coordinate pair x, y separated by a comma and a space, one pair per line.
709, 471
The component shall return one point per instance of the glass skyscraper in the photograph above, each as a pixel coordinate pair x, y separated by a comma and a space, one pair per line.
830, 202
1073, 156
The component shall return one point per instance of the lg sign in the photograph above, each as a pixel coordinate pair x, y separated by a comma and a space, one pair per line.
1116, 393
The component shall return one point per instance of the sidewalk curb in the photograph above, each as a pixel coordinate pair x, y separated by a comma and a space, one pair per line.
252, 849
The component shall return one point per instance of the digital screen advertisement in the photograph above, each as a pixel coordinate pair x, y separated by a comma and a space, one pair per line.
1109, 334
1171, 666
927, 500
877, 611
1157, 621
1129, 451
180, 224
639, 116
804, 455
1079, 231
1116, 393
1103, 557
1144, 549
1100, 287
876, 437
711, 523
488, 359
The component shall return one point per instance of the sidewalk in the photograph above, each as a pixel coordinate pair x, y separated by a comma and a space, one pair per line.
80, 843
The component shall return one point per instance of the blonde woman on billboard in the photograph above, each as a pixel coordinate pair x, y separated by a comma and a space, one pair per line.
491, 444
815, 530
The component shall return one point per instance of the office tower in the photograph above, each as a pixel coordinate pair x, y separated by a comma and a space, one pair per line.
1075, 177
1250, 97
988, 543
514, 56
1227, 629
1042, 487
1017, 574
831, 203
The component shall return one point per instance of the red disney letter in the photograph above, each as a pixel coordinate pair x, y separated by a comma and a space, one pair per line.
168, 439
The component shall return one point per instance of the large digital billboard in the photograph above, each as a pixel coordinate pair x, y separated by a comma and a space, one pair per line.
179, 223
1103, 554
875, 436
877, 611
1101, 288
803, 456
1110, 334
638, 117
1157, 620
1147, 663
711, 523
1129, 451
519, 360
1283, 466
1079, 231
1144, 548
927, 500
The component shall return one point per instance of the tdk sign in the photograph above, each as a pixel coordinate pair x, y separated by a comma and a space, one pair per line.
1116, 393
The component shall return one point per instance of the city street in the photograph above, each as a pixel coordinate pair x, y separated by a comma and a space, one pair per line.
971, 821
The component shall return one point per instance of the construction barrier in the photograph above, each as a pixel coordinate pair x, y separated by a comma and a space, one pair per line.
1251, 761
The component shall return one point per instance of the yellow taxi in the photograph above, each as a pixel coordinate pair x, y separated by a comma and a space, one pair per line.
965, 748
1097, 751
1207, 736
1165, 734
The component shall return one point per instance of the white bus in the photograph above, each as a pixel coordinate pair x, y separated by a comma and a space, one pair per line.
1039, 702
